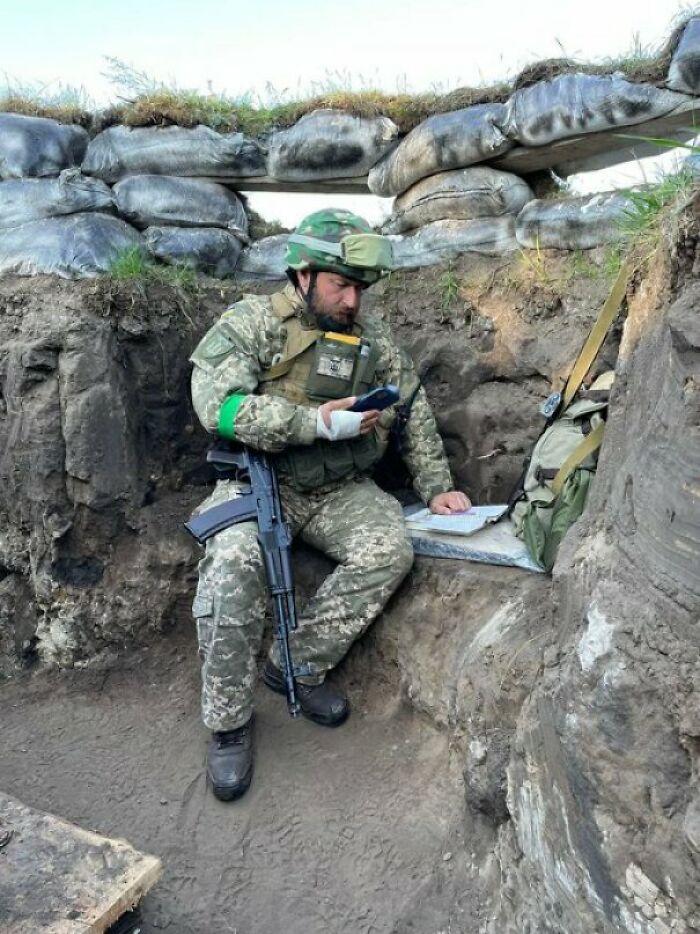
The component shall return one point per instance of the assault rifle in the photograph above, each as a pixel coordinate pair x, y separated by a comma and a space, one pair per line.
261, 501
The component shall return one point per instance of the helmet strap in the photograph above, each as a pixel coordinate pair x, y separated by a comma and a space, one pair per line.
309, 296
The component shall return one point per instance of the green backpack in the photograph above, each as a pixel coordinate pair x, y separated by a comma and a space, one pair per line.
559, 474
553, 491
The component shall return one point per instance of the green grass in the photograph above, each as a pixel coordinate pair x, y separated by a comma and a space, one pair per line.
134, 266
143, 100
63, 103
449, 287
130, 264
641, 225
612, 259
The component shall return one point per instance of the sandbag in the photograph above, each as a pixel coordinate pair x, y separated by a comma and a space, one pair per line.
172, 150
329, 144
263, 259
570, 105
443, 240
691, 163
572, 223
444, 141
463, 194
34, 147
206, 249
155, 200
25, 200
74, 247
684, 70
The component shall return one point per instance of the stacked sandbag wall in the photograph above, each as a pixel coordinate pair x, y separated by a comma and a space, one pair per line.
69, 204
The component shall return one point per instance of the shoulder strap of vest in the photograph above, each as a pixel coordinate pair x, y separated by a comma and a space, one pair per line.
299, 339
281, 306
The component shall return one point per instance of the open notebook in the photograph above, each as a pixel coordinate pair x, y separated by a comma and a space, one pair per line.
477, 535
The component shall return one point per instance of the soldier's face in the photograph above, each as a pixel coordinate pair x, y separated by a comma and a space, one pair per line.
335, 300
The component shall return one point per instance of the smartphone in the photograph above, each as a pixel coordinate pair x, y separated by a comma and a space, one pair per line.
380, 398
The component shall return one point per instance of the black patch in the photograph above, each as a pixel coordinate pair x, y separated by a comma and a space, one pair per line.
607, 110
319, 156
614, 718
541, 125
78, 572
634, 108
689, 68
589, 840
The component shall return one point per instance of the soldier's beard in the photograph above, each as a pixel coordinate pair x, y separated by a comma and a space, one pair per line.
326, 321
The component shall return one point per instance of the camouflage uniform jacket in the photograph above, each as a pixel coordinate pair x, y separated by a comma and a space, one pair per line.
250, 337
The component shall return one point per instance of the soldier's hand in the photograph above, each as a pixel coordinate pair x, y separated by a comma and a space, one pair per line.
444, 504
365, 424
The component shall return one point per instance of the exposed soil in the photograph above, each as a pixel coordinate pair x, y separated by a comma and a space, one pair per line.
340, 831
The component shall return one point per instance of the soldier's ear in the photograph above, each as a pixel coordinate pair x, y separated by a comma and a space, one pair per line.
303, 279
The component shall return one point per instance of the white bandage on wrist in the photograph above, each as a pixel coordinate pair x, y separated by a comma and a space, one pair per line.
343, 425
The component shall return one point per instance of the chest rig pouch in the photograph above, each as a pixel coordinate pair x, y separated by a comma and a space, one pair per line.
315, 368
343, 365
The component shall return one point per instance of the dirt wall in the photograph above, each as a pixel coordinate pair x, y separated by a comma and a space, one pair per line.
570, 704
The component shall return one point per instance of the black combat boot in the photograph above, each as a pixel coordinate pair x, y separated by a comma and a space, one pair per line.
230, 762
322, 703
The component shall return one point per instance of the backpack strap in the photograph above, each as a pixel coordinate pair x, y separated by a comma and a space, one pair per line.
588, 446
590, 349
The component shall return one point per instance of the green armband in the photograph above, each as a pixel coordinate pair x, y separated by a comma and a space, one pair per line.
227, 416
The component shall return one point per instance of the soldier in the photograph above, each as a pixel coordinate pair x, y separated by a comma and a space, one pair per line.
279, 374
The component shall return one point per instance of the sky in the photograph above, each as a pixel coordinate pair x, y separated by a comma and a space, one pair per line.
269, 49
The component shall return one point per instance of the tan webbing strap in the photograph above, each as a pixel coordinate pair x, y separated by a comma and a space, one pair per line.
589, 444
600, 329
299, 339
282, 306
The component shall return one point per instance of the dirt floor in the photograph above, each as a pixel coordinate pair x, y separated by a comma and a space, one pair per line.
359, 829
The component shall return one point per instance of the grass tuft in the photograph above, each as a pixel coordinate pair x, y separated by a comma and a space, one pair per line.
130, 264
134, 266
64, 103
641, 225
143, 100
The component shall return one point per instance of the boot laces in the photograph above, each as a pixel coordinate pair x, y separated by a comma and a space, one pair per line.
232, 737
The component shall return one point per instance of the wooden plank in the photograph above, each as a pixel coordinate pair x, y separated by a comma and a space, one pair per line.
601, 150
56, 878
332, 186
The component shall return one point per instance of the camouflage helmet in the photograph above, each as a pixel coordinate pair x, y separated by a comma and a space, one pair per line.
339, 241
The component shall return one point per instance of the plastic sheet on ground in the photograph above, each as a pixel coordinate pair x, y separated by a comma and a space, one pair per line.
572, 223
155, 200
444, 141
443, 240
470, 536
206, 249
329, 144
34, 147
571, 105
172, 150
263, 259
23, 200
684, 71
74, 247
463, 194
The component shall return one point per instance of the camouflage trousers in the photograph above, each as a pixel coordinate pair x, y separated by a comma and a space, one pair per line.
358, 526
